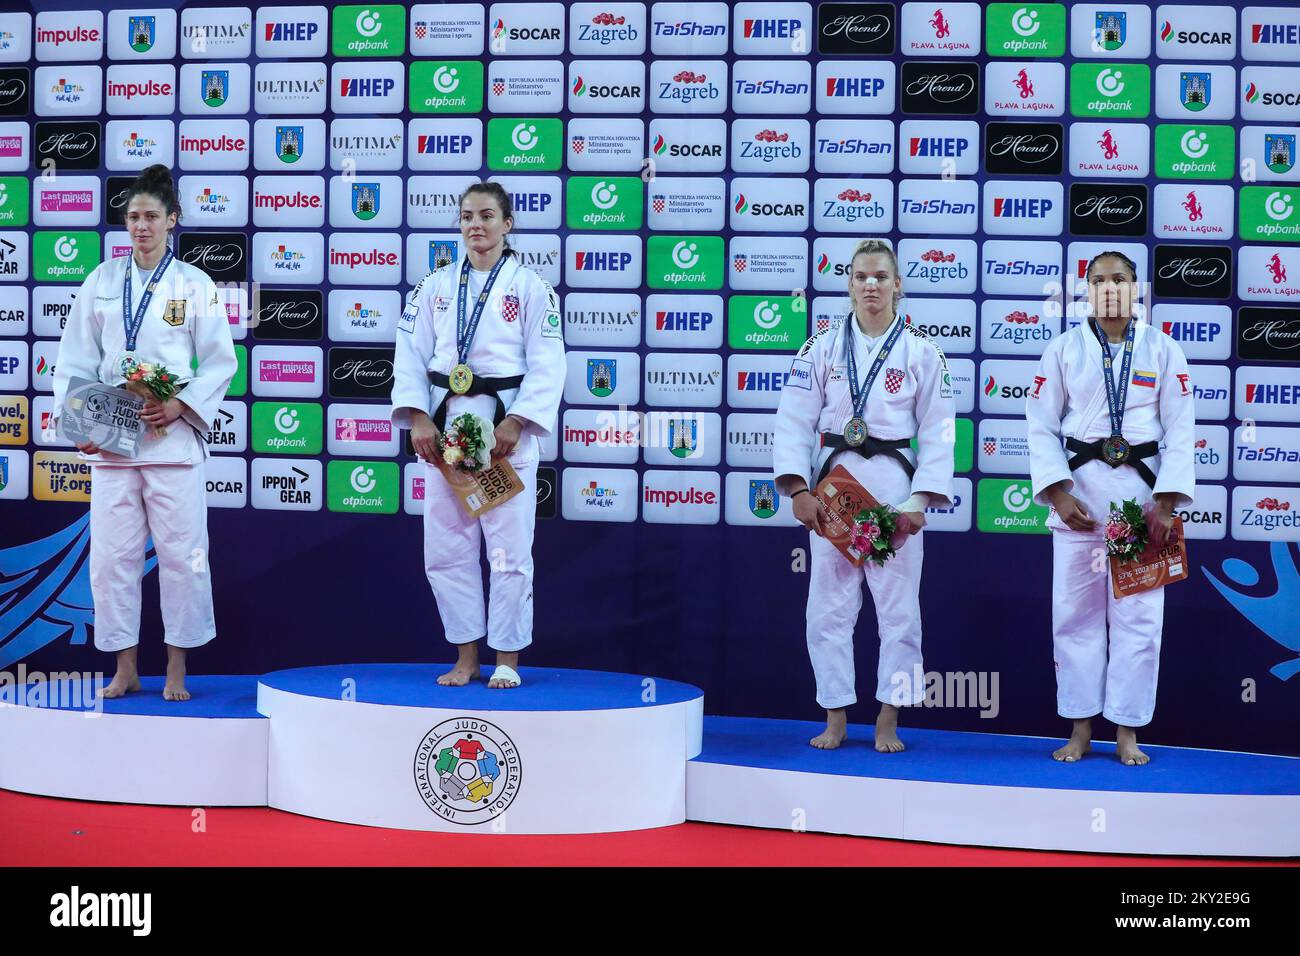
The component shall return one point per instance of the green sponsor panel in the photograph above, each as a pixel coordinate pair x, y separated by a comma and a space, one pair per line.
288, 428
65, 256
1111, 90
684, 262
1025, 29
525, 144
446, 86
363, 487
963, 447
239, 381
1269, 213
369, 30
767, 322
1006, 506
1195, 151
605, 202
15, 201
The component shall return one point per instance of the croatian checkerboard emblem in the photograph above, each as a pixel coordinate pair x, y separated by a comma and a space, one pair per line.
893, 379
509, 307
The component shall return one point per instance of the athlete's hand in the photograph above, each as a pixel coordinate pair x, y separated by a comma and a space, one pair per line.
1072, 511
424, 437
507, 436
811, 513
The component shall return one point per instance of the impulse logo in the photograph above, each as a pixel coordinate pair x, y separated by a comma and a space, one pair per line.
687, 496
58, 37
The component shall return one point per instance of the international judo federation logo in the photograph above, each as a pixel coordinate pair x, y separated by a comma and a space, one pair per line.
467, 771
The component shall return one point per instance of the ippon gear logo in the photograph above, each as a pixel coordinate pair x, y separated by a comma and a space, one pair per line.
467, 771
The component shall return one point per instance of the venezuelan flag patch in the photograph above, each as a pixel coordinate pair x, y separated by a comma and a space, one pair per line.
1146, 379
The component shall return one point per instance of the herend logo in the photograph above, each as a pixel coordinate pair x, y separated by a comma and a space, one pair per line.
1274, 613
467, 771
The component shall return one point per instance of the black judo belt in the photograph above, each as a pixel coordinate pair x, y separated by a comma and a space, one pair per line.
1086, 451
870, 447
481, 385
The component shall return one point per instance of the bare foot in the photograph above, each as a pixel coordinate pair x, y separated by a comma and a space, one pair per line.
887, 741
466, 668
1126, 747
123, 683
837, 728
174, 687
459, 676
1080, 743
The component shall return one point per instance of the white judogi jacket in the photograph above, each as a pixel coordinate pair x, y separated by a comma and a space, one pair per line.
94, 343
528, 342
1068, 398
816, 399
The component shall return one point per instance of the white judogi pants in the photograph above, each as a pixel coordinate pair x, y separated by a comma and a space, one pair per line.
452, 545
127, 505
835, 599
1113, 674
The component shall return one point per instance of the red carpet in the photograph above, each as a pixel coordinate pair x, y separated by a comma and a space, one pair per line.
41, 831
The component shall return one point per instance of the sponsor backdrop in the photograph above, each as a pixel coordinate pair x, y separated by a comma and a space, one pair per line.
691, 178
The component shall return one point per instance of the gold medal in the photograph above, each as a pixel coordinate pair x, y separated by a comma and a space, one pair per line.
461, 378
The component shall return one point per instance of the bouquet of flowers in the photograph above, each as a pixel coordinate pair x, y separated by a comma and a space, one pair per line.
878, 533
149, 381
467, 443
1126, 530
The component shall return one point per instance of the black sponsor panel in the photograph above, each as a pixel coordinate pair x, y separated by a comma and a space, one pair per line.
548, 485
69, 146
15, 91
948, 89
360, 372
1024, 149
222, 255
1108, 209
856, 28
288, 313
1268, 334
115, 188
1193, 272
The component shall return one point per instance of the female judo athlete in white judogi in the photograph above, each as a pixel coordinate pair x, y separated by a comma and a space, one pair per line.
857, 393
1095, 439
509, 336
153, 307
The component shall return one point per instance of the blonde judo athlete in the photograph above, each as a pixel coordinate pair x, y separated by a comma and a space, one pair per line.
1111, 417
153, 308
481, 335
857, 394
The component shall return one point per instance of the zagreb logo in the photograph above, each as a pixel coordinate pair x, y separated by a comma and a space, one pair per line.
1279, 151
141, 33
467, 771
216, 87
1110, 30
1194, 90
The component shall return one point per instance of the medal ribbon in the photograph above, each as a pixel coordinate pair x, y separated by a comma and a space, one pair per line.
131, 324
465, 330
859, 395
1116, 394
